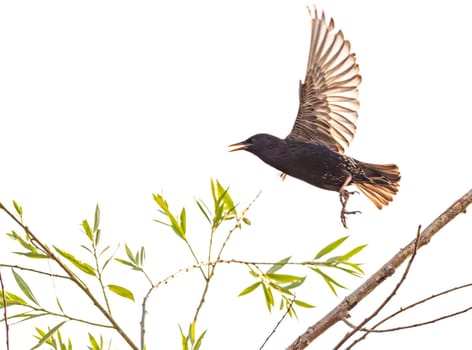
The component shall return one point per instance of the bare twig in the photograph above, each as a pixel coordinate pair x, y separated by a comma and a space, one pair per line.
403, 309
341, 311
35, 271
278, 323
387, 330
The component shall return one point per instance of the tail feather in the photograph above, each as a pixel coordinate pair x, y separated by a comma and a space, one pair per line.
381, 182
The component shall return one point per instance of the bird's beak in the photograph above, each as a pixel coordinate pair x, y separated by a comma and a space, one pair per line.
238, 146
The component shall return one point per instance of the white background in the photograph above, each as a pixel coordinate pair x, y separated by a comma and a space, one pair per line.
108, 102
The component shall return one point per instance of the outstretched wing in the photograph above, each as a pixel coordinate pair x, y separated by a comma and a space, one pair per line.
328, 98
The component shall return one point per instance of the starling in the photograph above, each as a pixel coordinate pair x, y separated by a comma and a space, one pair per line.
325, 125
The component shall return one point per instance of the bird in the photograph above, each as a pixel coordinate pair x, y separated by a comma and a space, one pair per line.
325, 125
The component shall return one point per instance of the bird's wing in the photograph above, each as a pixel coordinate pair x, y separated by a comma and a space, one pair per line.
328, 98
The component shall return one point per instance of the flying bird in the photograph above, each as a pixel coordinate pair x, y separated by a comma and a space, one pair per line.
325, 125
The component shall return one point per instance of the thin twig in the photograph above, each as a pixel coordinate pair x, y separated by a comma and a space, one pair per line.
342, 309
386, 330
99, 277
213, 267
5, 315
278, 323
403, 309
35, 271
39, 311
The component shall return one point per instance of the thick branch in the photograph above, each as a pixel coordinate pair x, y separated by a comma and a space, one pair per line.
342, 310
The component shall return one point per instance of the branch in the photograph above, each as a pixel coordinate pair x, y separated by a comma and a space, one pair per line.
374, 329
342, 310
45, 249
386, 301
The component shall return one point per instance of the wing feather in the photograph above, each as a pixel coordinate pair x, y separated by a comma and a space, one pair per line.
328, 97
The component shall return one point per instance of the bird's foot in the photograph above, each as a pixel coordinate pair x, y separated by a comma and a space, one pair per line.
344, 213
344, 197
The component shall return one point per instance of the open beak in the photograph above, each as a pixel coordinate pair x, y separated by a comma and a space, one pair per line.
238, 146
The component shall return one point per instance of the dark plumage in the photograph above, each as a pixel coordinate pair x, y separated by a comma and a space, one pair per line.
314, 150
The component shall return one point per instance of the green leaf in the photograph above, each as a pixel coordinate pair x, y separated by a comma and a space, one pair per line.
198, 343
214, 193
142, 256
26, 316
224, 195
84, 267
25, 244
33, 255
352, 252
159, 199
59, 305
295, 284
184, 339
204, 209
269, 297
12, 299
249, 289
173, 221
130, 254
93, 342
183, 221
121, 291
253, 273
87, 229
162, 222
281, 278
191, 332
18, 208
96, 219
330, 281
330, 247
279, 288
278, 265
24, 287
125, 262
349, 271
46, 336
303, 304
98, 235
354, 266
247, 221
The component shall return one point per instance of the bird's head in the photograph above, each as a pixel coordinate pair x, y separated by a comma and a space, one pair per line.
258, 144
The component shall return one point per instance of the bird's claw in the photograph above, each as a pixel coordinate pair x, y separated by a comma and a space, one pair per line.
344, 213
344, 197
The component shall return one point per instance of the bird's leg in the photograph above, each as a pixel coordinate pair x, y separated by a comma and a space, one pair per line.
344, 197
283, 176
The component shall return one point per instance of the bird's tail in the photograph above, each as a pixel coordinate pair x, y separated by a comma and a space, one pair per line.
381, 184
